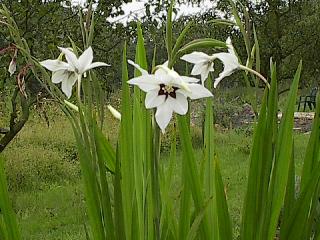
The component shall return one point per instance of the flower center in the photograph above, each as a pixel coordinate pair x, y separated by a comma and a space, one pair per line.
168, 90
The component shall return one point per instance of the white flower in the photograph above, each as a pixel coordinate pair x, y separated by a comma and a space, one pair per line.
12, 66
203, 63
69, 72
230, 62
168, 91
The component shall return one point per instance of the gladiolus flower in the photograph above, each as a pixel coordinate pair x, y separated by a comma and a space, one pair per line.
168, 92
203, 64
69, 72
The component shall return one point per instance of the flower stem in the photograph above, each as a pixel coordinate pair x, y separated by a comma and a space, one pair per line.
256, 73
155, 180
79, 88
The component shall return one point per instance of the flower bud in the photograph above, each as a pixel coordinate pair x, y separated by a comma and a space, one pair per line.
114, 112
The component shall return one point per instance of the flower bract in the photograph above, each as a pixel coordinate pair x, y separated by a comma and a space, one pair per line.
12, 66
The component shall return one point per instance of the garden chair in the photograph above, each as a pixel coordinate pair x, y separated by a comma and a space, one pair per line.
309, 99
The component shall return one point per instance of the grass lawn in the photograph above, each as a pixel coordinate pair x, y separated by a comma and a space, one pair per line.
45, 182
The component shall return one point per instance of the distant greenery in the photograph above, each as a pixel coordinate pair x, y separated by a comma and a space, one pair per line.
286, 31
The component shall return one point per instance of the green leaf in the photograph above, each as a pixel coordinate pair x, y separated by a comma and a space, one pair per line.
179, 41
208, 163
222, 22
296, 225
261, 161
89, 180
257, 47
221, 206
301, 216
283, 158
126, 148
118, 202
105, 150
312, 152
289, 198
142, 140
169, 31
250, 216
241, 26
200, 215
9, 219
202, 43
91, 30
191, 174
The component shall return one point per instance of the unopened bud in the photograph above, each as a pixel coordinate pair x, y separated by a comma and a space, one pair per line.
71, 105
114, 112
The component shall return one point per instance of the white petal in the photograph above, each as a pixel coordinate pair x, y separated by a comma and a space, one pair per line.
54, 65
143, 72
199, 68
204, 76
96, 64
229, 60
71, 57
179, 104
163, 115
153, 99
85, 60
68, 83
189, 79
203, 70
165, 63
162, 76
230, 46
59, 76
145, 82
231, 64
196, 91
228, 41
196, 57
222, 75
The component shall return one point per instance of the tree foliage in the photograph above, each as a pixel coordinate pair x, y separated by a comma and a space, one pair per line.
286, 29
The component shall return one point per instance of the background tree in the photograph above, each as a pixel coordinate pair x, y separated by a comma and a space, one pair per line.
287, 32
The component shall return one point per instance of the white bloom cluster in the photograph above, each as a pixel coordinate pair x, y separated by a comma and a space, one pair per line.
168, 91
165, 89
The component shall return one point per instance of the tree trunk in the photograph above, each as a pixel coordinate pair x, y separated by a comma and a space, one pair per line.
16, 126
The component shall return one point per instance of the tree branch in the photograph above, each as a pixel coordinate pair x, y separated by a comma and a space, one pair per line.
15, 127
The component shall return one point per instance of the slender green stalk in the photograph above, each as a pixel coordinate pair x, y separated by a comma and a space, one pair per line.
155, 181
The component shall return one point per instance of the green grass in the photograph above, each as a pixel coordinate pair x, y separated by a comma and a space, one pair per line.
54, 213
46, 189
